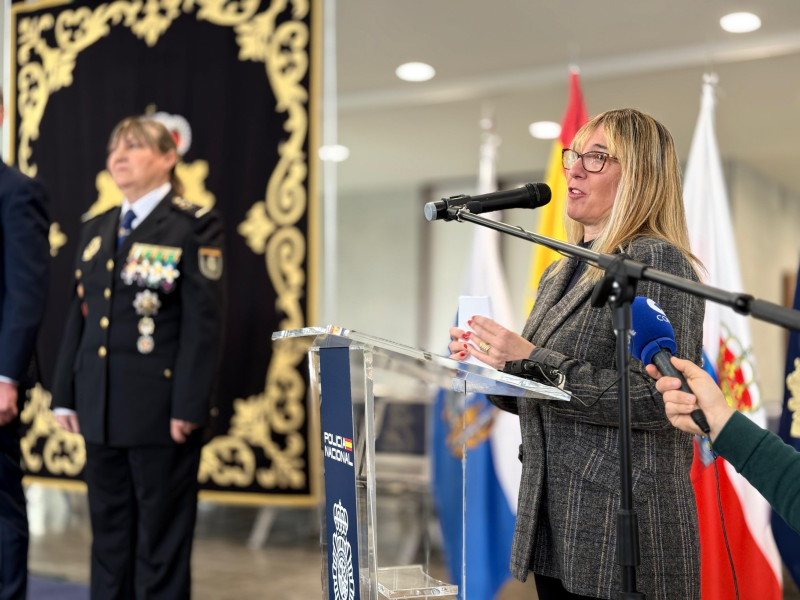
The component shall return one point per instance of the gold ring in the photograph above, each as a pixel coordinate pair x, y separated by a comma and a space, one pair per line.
485, 347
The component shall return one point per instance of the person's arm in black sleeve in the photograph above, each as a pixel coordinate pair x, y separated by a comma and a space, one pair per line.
26, 258
202, 321
63, 389
25, 255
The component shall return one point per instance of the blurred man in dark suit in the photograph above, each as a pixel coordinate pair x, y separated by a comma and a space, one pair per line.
137, 366
24, 256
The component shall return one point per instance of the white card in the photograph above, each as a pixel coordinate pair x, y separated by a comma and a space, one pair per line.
468, 307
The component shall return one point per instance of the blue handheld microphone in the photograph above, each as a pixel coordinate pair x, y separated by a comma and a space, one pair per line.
654, 342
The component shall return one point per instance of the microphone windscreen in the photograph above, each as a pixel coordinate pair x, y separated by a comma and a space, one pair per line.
540, 194
652, 330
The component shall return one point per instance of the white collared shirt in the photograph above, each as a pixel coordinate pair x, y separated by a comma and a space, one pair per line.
145, 205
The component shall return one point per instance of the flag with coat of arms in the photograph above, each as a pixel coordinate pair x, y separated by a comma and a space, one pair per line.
728, 354
490, 473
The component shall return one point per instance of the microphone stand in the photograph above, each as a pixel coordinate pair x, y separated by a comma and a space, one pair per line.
744, 304
618, 289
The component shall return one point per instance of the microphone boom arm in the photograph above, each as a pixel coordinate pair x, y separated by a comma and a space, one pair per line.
744, 304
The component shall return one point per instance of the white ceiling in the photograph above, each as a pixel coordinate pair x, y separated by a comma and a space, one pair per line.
512, 56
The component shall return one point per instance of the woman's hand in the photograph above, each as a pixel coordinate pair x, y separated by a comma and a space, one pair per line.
180, 430
491, 343
679, 405
69, 422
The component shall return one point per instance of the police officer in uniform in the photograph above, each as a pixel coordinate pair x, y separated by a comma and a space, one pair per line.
137, 366
24, 257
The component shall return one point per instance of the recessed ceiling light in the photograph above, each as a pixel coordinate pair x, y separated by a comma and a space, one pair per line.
545, 130
336, 153
415, 71
740, 22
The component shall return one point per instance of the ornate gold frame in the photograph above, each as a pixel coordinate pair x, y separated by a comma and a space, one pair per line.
269, 228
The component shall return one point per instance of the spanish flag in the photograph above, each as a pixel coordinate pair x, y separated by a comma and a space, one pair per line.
551, 223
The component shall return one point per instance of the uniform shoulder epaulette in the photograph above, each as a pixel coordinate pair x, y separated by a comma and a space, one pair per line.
187, 207
90, 214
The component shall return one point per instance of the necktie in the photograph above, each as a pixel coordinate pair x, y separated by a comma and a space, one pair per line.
125, 227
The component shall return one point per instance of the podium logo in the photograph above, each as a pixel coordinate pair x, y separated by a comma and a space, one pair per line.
344, 586
338, 448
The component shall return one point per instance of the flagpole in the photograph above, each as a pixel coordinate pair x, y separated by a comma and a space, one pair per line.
330, 201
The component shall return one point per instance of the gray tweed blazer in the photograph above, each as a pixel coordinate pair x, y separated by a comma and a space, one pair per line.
569, 491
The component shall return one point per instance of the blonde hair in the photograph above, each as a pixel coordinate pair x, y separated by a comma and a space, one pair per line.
155, 136
649, 200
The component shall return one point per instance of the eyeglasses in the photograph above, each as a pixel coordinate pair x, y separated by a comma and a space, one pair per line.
593, 162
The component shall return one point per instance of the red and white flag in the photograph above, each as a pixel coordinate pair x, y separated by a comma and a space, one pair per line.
728, 353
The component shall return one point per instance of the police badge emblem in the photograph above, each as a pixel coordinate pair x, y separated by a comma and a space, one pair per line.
210, 262
342, 555
91, 248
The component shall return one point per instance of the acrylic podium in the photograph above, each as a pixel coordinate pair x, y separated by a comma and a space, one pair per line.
351, 373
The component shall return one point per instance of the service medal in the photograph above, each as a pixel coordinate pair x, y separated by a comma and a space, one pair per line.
145, 344
152, 266
127, 274
169, 275
146, 303
91, 248
154, 275
143, 271
147, 326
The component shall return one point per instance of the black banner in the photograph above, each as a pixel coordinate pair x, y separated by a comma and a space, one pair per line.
233, 81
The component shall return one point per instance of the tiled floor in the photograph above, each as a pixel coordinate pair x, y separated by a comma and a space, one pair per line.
286, 566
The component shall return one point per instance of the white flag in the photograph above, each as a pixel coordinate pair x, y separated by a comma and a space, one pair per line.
486, 277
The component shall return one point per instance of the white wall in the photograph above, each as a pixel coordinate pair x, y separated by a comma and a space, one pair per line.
378, 252
399, 276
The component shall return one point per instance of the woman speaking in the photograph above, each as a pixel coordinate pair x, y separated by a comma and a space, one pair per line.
624, 195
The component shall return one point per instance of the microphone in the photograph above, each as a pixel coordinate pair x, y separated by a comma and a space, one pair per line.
532, 195
654, 342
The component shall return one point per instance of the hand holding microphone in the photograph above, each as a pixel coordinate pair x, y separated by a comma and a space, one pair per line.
653, 342
705, 394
